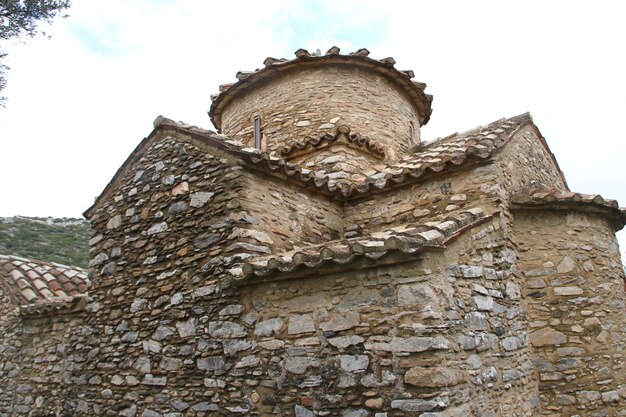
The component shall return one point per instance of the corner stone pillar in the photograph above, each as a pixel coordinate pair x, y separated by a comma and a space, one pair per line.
576, 311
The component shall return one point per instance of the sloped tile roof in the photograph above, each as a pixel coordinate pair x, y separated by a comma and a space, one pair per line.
407, 239
36, 282
561, 199
434, 157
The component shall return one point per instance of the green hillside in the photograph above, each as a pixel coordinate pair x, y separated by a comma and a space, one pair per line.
56, 240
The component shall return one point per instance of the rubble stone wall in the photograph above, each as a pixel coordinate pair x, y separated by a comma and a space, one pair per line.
50, 377
314, 101
286, 216
525, 163
10, 355
576, 303
161, 243
445, 334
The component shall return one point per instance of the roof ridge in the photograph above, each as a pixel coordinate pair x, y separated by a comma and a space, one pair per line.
526, 116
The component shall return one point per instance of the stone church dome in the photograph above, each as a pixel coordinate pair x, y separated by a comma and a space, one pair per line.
312, 95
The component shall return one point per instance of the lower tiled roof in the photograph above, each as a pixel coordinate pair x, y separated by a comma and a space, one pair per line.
562, 199
33, 282
407, 239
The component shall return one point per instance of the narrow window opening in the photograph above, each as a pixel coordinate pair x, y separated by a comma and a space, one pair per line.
258, 139
411, 133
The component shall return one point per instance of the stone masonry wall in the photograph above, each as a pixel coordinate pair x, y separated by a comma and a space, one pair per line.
525, 163
10, 331
445, 335
287, 216
161, 243
576, 302
315, 101
50, 372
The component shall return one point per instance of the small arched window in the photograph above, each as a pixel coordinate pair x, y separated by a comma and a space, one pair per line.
411, 134
258, 136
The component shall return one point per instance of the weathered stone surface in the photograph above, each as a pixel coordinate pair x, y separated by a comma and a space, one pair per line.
114, 222
178, 207
226, 329
170, 364
231, 310
163, 332
355, 413
610, 397
483, 303
354, 363
547, 336
268, 327
186, 328
302, 412
566, 265
416, 295
300, 364
513, 291
200, 198
471, 271
211, 363
418, 344
345, 341
417, 405
587, 396
154, 380
231, 347
338, 322
157, 228
300, 324
476, 321
434, 377
568, 291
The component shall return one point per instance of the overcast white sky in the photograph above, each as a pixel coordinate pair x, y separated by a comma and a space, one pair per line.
80, 102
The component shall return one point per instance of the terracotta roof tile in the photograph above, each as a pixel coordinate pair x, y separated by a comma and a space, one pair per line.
342, 132
30, 281
407, 239
563, 199
434, 157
